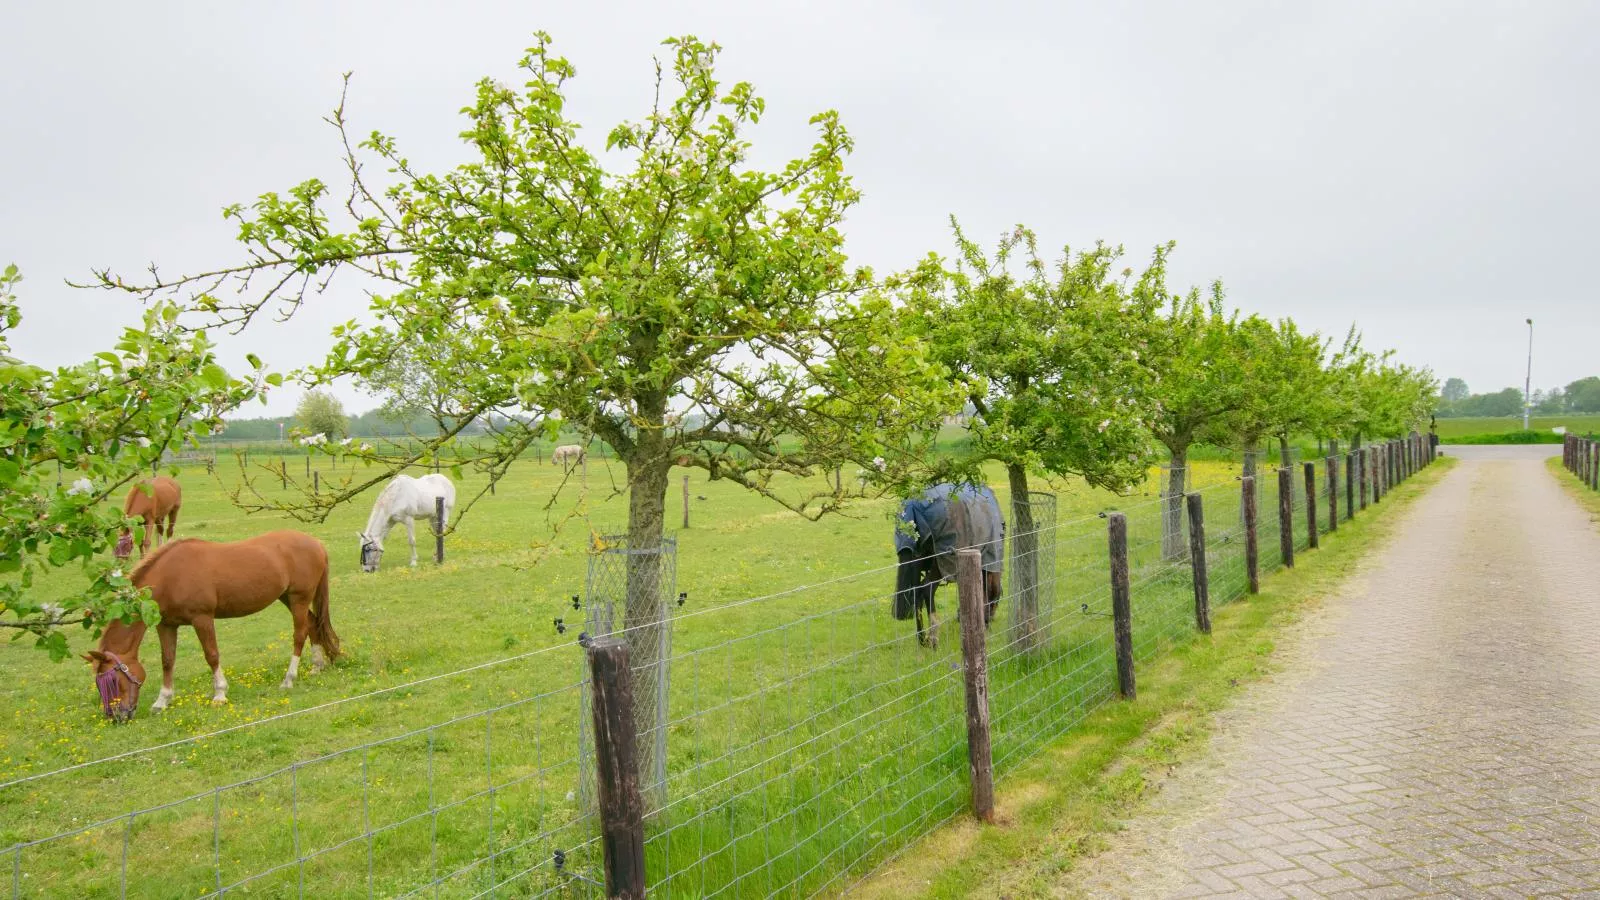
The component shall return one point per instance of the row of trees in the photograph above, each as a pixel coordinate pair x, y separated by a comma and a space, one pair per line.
662, 294
1581, 396
320, 412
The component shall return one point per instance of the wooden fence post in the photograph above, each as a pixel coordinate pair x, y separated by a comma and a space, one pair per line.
1349, 486
1286, 515
1252, 549
316, 482
1333, 492
616, 749
1377, 476
308, 463
980, 758
283, 474
1361, 486
686, 501
1121, 604
1197, 563
1311, 505
438, 530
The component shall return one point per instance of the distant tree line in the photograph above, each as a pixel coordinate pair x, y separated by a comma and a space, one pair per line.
321, 413
1581, 396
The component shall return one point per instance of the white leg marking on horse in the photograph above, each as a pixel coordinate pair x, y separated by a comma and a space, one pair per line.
164, 699
294, 669
318, 660
219, 686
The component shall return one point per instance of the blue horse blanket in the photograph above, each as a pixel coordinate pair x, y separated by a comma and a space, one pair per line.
932, 527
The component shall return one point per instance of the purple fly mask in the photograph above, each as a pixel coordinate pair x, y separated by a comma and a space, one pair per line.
112, 699
124, 545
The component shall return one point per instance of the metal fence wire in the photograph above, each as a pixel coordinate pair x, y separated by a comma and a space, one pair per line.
813, 736
640, 583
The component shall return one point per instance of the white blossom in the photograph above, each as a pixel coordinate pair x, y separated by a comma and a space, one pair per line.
880, 463
1104, 424
81, 486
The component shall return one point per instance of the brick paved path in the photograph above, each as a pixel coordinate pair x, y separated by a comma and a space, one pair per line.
1441, 737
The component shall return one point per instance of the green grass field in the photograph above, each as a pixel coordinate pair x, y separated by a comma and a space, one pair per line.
1577, 423
808, 735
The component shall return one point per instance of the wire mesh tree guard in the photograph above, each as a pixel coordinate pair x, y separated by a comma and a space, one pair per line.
1031, 568
640, 583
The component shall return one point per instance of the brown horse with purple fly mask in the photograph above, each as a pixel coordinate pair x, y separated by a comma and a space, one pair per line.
196, 582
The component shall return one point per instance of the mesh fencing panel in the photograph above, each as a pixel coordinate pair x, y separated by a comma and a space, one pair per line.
632, 591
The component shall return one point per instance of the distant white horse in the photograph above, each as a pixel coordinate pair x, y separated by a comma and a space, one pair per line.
403, 501
567, 456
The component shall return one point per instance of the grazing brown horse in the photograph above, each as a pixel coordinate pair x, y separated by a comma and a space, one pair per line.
151, 502
195, 582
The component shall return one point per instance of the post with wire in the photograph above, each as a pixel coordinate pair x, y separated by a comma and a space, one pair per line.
1286, 516
621, 804
1311, 505
1121, 604
1197, 563
975, 659
1332, 464
1252, 548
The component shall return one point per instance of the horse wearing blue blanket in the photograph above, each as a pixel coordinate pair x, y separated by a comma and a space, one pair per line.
928, 532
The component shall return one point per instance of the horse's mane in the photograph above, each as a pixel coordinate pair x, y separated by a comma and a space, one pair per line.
159, 552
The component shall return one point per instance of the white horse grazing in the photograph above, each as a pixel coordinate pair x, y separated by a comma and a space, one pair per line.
570, 455
403, 501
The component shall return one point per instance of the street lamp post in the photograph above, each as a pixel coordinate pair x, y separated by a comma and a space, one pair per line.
1527, 386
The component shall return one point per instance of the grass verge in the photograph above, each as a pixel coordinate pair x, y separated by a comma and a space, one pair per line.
1062, 805
1587, 498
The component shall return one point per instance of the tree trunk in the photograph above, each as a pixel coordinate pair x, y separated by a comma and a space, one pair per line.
1172, 539
1024, 558
1283, 450
1252, 449
649, 471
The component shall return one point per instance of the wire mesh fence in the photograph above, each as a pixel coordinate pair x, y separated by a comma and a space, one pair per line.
467, 806
640, 583
797, 740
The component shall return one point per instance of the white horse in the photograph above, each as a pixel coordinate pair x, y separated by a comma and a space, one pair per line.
403, 501
569, 455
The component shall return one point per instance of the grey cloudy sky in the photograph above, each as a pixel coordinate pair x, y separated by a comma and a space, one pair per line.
1426, 170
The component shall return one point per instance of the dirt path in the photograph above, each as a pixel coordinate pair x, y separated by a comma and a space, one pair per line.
1435, 732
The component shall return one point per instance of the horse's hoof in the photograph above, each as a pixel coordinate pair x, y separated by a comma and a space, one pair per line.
219, 699
286, 684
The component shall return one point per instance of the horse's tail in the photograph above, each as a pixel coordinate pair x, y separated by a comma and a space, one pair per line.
322, 633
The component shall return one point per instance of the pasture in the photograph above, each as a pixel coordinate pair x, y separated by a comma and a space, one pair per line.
1576, 423
808, 737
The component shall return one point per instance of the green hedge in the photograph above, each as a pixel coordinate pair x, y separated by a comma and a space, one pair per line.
1506, 437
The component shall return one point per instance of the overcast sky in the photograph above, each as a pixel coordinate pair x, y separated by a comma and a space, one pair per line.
1426, 171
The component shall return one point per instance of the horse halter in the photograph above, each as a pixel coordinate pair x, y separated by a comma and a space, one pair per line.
107, 683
